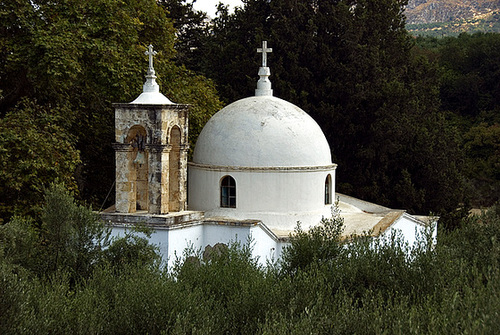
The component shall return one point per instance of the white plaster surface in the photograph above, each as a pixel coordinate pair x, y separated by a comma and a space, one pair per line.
412, 229
268, 243
152, 98
173, 241
262, 131
278, 197
278, 157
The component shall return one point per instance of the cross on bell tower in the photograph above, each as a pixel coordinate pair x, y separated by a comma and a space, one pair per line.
150, 52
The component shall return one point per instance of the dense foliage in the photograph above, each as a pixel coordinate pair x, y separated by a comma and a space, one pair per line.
470, 95
63, 279
411, 122
62, 65
349, 64
35, 149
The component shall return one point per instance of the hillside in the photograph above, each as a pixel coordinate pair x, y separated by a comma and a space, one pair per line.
451, 17
431, 11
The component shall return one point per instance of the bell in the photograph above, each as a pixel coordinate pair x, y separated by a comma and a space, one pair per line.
140, 158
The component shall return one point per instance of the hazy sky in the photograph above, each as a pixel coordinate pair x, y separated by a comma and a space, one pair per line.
208, 6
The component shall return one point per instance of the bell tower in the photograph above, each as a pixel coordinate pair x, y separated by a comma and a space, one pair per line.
151, 147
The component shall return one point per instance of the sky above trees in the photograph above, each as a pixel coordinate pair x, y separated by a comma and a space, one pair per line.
209, 6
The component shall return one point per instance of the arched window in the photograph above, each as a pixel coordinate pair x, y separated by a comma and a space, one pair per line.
328, 190
228, 192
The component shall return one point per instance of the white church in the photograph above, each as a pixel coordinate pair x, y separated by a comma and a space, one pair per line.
260, 165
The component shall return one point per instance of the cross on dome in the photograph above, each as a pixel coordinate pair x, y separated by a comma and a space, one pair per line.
150, 52
264, 50
264, 84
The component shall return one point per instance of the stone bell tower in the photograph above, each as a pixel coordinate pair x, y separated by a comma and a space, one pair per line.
151, 135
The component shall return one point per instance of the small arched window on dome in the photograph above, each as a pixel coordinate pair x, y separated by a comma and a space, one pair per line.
328, 190
228, 192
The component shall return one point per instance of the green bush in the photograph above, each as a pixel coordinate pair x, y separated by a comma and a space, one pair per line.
324, 285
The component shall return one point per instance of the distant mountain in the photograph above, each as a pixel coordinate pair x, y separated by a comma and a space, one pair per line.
431, 11
450, 17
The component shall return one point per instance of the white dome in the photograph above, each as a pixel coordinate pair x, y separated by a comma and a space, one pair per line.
262, 131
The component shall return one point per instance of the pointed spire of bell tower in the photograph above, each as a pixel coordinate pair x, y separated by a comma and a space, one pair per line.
264, 84
151, 90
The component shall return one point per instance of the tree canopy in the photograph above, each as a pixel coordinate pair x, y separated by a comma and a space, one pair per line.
470, 90
73, 59
351, 65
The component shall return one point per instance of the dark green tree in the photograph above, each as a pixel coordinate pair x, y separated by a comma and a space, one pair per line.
350, 64
69, 239
482, 143
471, 80
35, 149
227, 54
471, 92
191, 30
76, 58
72, 241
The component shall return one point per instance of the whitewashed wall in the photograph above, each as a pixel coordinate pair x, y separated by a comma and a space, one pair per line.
172, 242
279, 198
411, 229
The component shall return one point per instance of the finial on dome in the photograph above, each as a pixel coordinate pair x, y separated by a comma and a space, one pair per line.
150, 90
264, 84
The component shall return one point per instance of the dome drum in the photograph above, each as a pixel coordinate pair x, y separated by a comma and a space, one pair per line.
263, 193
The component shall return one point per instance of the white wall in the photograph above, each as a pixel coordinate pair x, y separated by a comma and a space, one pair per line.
173, 242
411, 230
278, 197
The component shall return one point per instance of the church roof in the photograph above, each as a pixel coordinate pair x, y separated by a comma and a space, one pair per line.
262, 131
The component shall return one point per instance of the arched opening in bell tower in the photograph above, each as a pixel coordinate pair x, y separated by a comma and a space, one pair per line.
138, 168
174, 169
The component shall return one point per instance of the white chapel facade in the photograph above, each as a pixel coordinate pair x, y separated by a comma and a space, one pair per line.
260, 165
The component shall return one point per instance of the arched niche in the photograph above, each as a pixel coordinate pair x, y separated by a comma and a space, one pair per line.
174, 169
138, 167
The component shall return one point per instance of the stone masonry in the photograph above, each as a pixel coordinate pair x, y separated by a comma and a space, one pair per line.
151, 157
